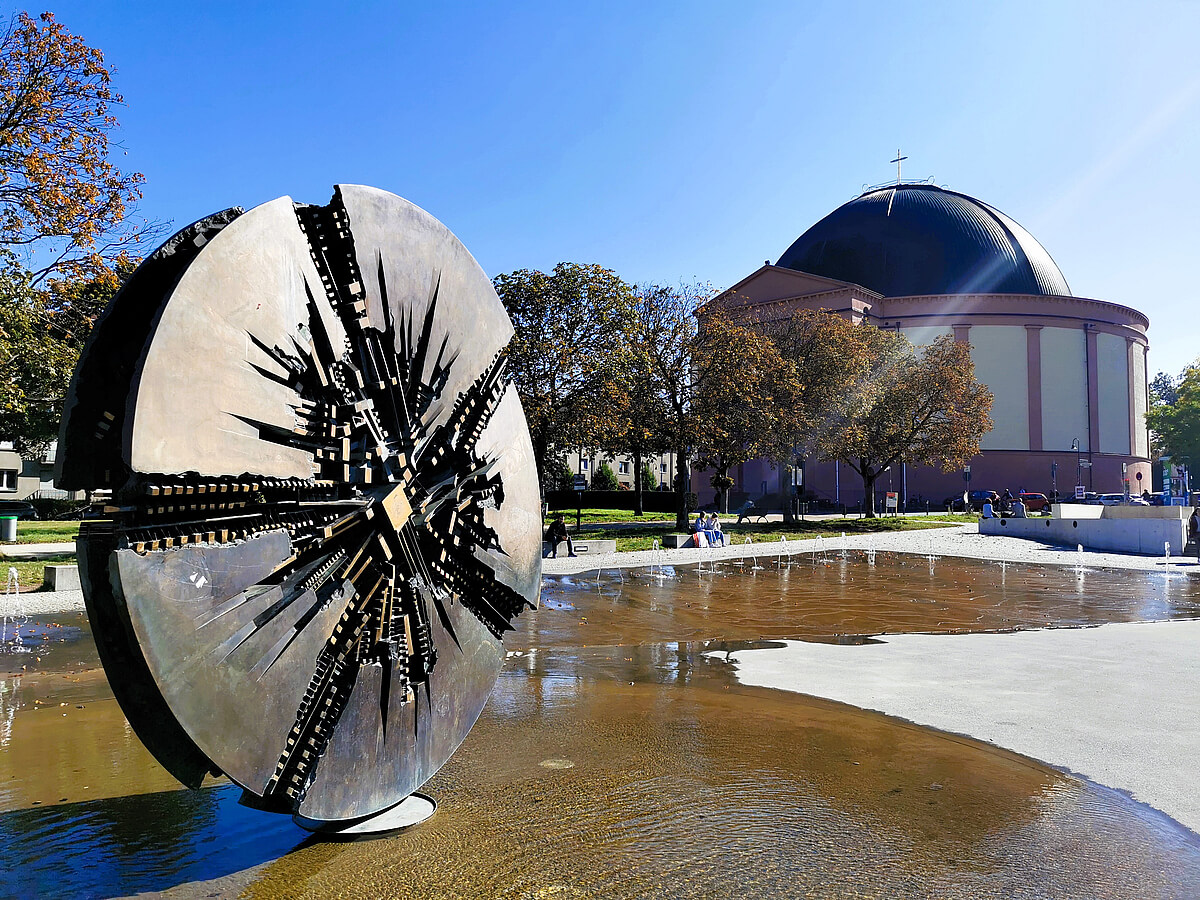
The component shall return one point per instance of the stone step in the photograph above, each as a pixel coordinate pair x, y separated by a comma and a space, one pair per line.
585, 547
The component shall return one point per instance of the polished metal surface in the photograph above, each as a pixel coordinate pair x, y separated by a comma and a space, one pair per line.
324, 508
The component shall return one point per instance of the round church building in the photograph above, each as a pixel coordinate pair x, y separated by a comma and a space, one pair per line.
1068, 373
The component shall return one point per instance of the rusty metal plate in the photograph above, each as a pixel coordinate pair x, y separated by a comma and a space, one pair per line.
324, 510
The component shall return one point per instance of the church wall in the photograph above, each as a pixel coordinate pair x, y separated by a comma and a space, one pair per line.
1112, 365
1064, 388
1000, 356
1137, 359
923, 336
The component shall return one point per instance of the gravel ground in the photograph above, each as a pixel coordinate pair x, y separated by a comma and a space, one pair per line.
959, 540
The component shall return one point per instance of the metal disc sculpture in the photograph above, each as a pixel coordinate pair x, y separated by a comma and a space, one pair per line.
324, 509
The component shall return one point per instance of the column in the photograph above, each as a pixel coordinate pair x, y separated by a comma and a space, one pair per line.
1093, 390
1033, 348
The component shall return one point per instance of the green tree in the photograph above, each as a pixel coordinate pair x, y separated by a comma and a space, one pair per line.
64, 206
1176, 426
605, 479
571, 342
649, 479
666, 333
870, 399
36, 362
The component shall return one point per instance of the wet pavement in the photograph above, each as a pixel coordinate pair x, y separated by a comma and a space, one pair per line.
616, 759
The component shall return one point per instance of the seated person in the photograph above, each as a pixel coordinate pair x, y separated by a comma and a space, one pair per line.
699, 524
746, 511
555, 535
712, 530
1018, 508
988, 511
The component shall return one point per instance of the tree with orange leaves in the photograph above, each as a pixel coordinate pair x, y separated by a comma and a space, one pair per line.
870, 399
64, 206
744, 388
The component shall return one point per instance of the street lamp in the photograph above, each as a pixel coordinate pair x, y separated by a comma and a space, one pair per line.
1078, 463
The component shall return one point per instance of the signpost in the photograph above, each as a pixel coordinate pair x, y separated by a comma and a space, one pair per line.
891, 502
580, 485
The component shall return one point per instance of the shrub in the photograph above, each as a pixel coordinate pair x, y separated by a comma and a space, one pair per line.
605, 479
649, 482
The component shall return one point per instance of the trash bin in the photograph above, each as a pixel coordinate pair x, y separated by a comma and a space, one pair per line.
8, 529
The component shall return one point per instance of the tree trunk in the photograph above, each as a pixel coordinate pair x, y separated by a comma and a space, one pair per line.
540, 448
723, 474
638, 486
869, 491
789, 508
681, 492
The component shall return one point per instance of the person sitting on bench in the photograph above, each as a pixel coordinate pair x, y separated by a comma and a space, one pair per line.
555, 535
747, 511
712, 530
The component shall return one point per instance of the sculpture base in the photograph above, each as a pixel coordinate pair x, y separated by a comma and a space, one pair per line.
412, 810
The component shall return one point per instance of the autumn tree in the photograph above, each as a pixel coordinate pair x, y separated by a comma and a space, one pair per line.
1175, 424
571, 342
745, 387
870, 399
64, 205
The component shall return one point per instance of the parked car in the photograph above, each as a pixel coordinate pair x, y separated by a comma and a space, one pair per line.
1112, 499
19, 508
1035, 502
975, 501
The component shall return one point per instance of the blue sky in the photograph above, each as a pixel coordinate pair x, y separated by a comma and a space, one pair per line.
688, 141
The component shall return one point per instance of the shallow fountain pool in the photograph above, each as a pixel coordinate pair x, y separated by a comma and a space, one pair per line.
616, 759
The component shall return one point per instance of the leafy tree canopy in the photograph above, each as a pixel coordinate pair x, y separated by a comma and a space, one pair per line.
1176, 426
871, 400
63, 204
36, 362
745, 387
571, 342
665, 334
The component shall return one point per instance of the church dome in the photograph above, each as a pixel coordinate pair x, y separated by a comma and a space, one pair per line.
914, 239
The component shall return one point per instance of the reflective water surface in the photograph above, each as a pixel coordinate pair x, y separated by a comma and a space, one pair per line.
616, 760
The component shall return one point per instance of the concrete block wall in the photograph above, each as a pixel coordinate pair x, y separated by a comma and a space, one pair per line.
1126, 531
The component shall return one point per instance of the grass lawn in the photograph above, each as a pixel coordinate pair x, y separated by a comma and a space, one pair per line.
47, 532
592, 516
29, 572
643, 538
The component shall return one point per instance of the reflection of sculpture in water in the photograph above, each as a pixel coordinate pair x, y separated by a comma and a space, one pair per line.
324, 514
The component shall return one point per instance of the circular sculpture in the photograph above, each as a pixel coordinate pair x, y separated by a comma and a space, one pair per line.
324, 507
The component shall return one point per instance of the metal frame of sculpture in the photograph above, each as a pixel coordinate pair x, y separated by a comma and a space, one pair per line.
324, 510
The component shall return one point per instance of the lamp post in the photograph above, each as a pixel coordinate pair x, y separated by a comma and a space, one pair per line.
1078, 462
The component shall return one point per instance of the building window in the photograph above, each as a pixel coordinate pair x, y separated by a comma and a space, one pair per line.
583, 465
622, 468
662, 467
8, 479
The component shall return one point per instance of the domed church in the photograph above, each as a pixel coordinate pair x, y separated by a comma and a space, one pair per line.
1068, 373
